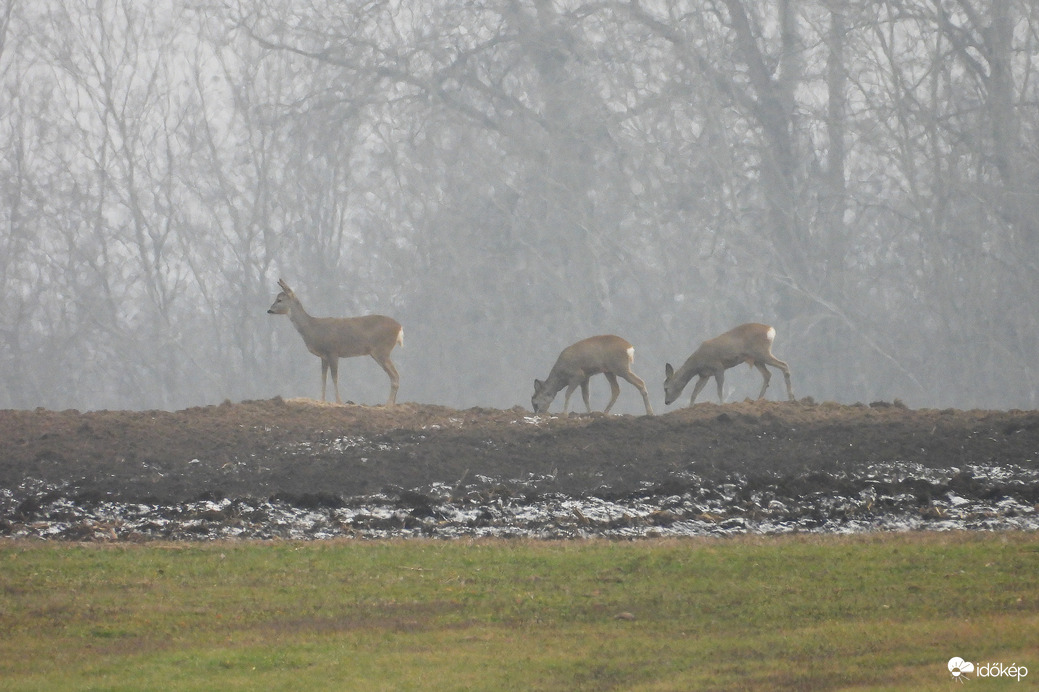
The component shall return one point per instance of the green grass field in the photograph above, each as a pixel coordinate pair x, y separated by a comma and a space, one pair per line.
809, 613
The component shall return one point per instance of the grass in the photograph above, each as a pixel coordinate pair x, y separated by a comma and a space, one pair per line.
808, 613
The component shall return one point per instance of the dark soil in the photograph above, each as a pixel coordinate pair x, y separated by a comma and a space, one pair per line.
306, 453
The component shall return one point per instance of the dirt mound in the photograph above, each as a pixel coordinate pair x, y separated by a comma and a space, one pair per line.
298, 447
308, 454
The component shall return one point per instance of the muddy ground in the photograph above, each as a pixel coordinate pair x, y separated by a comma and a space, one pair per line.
433, 468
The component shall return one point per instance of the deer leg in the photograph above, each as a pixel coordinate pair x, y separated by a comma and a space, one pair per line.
333, 365
566, 399
776, 363
615, 390
324, 376
387, 365
584, 395
719, 377
766, 375
699, 386
641, 386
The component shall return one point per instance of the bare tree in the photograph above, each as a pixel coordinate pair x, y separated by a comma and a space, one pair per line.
495, 173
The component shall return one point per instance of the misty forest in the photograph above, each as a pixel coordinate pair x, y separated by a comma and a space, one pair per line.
505, 177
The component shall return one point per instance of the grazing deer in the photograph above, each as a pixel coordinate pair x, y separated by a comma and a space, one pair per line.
747, 343
609, 355
332, 338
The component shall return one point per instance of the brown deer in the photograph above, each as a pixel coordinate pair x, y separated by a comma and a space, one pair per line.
747, 343
332, 338
608, 354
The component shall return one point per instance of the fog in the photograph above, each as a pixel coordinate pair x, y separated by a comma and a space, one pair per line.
505, 177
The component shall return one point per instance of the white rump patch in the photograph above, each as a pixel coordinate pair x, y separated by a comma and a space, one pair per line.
770, 334
400, 337
631, 354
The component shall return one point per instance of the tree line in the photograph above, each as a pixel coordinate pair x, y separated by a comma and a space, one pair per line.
505, 177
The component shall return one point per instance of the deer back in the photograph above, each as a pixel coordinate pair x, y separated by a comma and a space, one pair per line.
594, 355
345, 337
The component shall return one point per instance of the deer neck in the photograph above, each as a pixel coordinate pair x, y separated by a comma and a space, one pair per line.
301, 319
686, 372
556, 380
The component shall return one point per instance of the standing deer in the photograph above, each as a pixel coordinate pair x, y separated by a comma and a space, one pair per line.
332, 338
747, 343
609, 355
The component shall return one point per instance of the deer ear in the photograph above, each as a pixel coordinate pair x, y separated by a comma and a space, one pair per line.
668, 370
538, 384
284, 286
